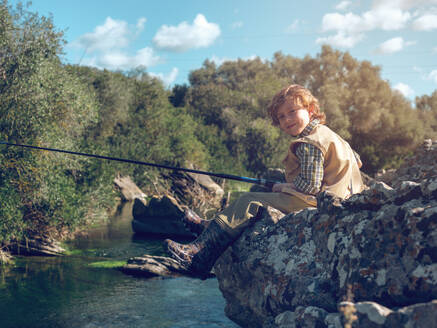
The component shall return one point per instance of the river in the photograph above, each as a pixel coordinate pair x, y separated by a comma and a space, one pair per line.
75, 291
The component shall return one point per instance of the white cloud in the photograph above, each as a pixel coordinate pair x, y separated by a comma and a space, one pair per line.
293, 26
350, 28
405, 4
343, 5
145, 57
341, 40
387, 18
106, 46
426, 22
434, 49
140, 24
404, 89
393, 45
433, 76
348, 23
236, 25
112, 34
185, 36
220, 60
167, 79
115, 60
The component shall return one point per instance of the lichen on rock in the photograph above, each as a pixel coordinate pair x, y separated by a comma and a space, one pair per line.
379, 246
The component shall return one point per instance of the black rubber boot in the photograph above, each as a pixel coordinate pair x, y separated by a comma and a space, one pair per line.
200, 255
194, 223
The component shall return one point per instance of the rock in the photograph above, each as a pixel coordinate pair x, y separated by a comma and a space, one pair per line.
196, 191
371, 314
129, 190
152, 266
39, 246
206, 182
359, 315
302, 317
421, 165
378, 246
161, 215
5, 257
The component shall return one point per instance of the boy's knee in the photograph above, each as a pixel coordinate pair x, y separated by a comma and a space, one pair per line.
244, 198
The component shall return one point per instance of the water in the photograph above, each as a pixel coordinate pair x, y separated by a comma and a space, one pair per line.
69, 292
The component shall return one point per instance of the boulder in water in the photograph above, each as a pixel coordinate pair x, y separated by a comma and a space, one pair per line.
161, 215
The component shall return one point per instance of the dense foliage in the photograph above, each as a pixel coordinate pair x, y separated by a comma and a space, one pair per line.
217, 122
379, 123
41, 104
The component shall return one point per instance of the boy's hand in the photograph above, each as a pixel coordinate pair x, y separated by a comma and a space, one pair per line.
279, 186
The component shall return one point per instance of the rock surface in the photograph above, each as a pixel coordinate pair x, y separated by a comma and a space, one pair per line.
37, 246
378, 246
5, 257
422, 165
161, 215
362, 314
151, 266
197, 191
128, 189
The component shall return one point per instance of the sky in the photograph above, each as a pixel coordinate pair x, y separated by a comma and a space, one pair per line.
173, 37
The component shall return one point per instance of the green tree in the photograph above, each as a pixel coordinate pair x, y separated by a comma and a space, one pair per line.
377, 121
40, 104
427, 111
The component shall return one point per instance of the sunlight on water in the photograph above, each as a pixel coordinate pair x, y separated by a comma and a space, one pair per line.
68, 292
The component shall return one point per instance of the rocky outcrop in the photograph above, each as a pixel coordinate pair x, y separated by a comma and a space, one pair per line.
379, 246
153, 266
5, 257
362, 314
421, 165
207, 183
198, 192
161, 215
128, 189
36, 246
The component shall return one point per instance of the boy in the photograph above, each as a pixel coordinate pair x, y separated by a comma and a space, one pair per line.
317, 160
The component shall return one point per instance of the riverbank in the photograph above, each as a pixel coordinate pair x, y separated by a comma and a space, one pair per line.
78, 291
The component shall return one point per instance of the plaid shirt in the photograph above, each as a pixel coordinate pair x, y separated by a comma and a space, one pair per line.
309, 180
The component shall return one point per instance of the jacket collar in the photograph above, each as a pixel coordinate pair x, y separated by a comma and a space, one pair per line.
310, 127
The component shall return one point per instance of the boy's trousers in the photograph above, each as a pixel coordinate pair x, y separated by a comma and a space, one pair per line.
236, 217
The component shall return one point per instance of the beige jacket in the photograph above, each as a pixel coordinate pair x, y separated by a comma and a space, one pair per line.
342, 175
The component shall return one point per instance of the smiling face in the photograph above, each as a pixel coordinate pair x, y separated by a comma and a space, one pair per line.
293, 118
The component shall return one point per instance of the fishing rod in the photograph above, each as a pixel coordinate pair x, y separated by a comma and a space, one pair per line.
262, 182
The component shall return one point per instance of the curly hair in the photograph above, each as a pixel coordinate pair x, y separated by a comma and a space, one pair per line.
298, 95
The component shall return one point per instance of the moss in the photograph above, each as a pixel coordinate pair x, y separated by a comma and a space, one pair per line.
107, 264
74, 252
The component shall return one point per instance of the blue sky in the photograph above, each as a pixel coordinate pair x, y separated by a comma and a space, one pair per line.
172, 37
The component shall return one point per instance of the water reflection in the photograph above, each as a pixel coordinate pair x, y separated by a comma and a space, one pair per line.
67, 292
